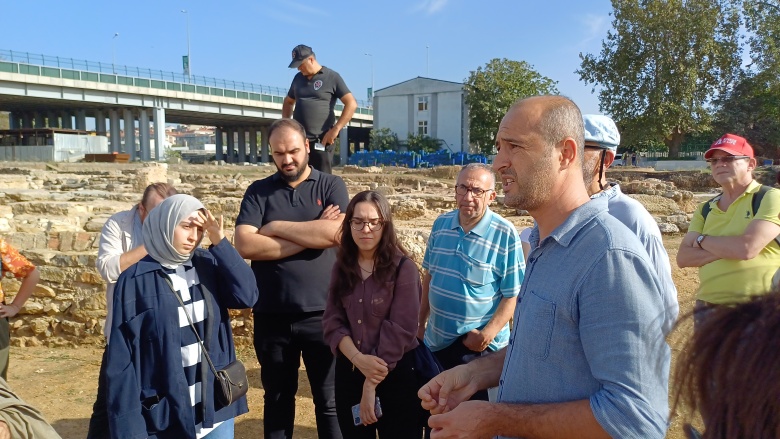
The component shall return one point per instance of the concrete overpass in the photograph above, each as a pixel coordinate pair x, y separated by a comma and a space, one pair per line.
44, 91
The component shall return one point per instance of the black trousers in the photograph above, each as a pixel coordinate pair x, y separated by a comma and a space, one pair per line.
98, 422
397, 395
280, 341
321, 160
456, 354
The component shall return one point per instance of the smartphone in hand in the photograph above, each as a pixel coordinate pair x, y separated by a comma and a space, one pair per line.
356, 412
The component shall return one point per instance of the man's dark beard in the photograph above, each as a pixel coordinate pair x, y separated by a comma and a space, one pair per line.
290, 178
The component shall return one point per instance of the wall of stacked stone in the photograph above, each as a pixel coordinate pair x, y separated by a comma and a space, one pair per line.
54, 217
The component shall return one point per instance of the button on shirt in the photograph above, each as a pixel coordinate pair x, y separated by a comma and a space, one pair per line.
470, 274
589, 325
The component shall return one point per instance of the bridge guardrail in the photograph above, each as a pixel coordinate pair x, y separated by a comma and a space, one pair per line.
68, 68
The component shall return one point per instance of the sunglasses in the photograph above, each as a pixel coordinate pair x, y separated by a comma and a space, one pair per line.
727, 159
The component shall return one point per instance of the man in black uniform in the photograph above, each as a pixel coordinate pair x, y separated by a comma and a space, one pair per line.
287, 226
313, 93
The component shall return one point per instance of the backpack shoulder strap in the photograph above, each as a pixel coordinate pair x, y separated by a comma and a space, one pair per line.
705, 210
758, 196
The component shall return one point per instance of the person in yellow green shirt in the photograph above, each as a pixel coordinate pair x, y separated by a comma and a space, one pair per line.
732, 243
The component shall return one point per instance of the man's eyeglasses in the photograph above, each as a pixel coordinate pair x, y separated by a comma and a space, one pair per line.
462, 189
358, 224
726, 159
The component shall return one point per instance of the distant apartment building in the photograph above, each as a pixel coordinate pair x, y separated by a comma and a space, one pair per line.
193, 137
431, 107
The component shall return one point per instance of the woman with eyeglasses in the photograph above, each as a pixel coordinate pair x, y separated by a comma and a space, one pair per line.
370, 323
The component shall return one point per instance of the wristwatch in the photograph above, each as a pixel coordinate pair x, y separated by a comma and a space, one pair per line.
700, 239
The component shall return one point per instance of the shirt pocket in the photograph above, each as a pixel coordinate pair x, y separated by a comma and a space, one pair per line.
534, 328
475, 272
142, 326
381, 299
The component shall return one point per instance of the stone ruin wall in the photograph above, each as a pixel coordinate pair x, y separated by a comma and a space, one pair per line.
54, 217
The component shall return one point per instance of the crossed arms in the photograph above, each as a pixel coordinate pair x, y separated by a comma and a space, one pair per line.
280, 239
758, 234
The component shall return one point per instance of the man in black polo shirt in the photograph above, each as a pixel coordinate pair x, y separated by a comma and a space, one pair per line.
313, 93
287, 226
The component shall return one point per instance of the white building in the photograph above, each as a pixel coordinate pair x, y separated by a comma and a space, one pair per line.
425, 106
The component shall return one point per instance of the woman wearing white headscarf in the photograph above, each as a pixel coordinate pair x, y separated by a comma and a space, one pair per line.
159, 385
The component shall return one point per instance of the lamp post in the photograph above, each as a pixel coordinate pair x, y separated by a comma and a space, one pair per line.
371, 95
426, 61
113, 52
189, 59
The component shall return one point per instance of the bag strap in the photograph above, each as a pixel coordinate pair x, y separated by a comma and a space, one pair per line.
705, 209
208, 306
758, 196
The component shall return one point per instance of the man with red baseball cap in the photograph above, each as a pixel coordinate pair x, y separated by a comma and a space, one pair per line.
732, 237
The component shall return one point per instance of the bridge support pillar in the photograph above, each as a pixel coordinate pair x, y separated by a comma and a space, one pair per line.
219, 147
116, 140
27, 120
129, 133
143, 134
231, 142
344, 146
40, 121
52, 120
159, 131
100, 122
81, 120
12, 123
253, 145
264, 144
67, 120
241, 145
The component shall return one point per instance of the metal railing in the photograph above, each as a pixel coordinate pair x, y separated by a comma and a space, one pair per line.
96, 71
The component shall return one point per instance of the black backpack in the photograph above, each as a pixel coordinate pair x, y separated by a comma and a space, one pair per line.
755, 203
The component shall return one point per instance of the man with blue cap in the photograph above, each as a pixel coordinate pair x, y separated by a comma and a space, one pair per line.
601, 141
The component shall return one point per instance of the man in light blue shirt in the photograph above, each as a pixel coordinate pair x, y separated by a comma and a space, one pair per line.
587, 356
473, 269
601, 141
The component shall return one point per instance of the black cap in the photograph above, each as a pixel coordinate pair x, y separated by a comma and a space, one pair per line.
299, 55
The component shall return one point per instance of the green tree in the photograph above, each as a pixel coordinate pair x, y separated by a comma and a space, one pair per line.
752, 110
492, 89
663, 64
382, 139
762, 20
422, 143
752, 107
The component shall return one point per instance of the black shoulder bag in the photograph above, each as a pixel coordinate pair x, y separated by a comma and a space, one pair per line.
232, 378
426, 365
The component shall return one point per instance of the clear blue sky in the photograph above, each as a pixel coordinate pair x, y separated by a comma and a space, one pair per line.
252, 40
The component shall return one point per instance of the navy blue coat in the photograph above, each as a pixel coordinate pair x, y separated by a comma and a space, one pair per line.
144, 353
